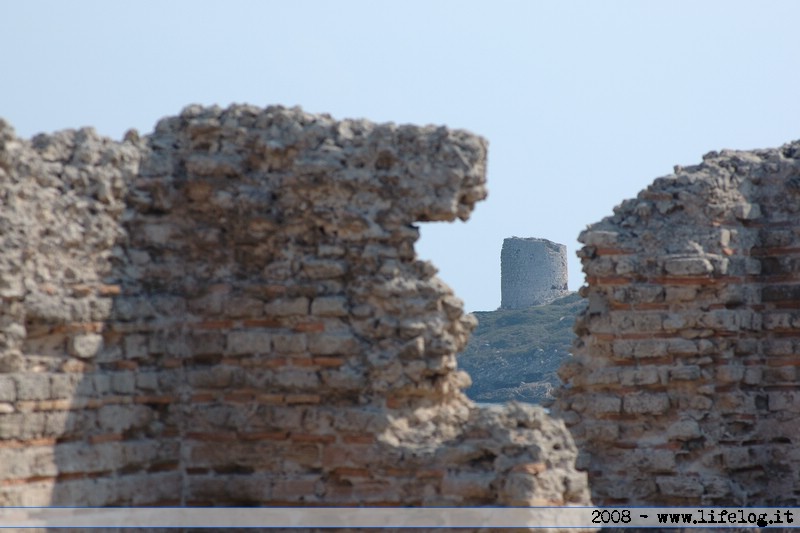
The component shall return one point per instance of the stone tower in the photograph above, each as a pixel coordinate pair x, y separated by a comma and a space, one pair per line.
534, 272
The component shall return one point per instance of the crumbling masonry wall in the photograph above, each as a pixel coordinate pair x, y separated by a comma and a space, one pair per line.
229, 311
684, 388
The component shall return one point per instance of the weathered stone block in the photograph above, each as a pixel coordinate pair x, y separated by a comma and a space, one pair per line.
679, 294
465, 485
779, 374
297, 379
212, 302
602, 266
650, 348
688, 266
135, 346
32, 386
623, 348
22, 426
747, 211
602, 431
717, 487
329, 306
244, 306
624, 488
604, 404
599, 238
737, 458
35, 494
651, 460
147, 381
131, 308
97, 385
679, 486
685, 373
123, 383
290, 342
249, 342
729, 374
324, 269
16, 463
723, 320
648, 322
215, 377
163, 486
62, 385
8, 389
77, 457
287, 307
625, 266
205, 343
684, 430
85, 345
601, 376
332, 344
681, 347
731, 402
774, 320
674, 322
119, 418
640, 403
638, 376
752, 375
784, 401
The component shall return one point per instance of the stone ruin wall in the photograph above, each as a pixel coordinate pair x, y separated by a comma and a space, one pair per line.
533, 272
229, 311
684, 388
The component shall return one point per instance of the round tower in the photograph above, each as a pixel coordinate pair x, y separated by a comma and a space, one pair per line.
533, 272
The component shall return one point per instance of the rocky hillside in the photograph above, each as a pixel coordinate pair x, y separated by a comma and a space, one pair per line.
514, 353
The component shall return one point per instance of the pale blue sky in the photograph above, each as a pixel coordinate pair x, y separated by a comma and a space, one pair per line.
584, 103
